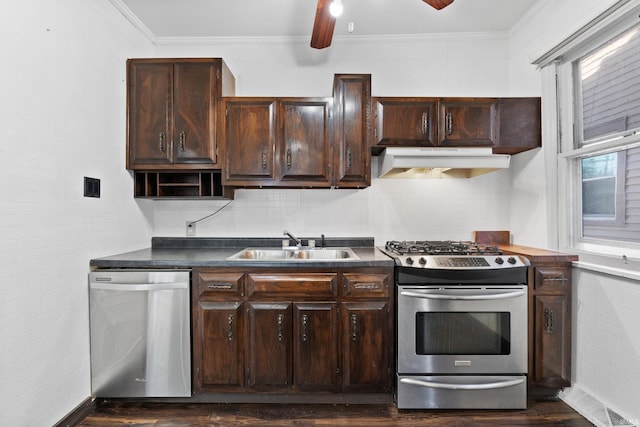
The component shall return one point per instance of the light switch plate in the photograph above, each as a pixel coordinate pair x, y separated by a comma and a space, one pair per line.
91, 187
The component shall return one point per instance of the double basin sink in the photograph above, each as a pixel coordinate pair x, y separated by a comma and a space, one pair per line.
277, 254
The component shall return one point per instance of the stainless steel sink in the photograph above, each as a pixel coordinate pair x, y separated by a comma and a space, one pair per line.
275, 254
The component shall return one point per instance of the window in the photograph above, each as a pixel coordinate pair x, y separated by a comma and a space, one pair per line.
604, 150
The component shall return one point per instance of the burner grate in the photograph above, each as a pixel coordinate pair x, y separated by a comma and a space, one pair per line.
444, 247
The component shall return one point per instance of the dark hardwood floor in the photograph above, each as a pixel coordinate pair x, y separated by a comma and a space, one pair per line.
119, 413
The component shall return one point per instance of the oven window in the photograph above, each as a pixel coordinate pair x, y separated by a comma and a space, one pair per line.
459, 333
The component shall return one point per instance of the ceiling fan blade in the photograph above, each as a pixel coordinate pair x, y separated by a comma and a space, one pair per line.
323, 26
438, 4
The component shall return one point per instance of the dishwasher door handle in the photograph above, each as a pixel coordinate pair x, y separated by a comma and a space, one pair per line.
137, 287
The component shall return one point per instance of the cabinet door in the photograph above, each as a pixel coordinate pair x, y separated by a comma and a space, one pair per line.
366, 346
520, 125
194, 112
352, 118
406, 122
217, 345
269, 345
315, 360
250, 135
149, 92
305, 146
467, 122
552, 341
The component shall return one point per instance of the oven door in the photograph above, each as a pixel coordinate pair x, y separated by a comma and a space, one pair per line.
462, 330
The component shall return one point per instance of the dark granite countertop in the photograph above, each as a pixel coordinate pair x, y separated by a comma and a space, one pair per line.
190, 252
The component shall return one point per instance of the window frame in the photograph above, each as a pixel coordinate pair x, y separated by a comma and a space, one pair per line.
571, 149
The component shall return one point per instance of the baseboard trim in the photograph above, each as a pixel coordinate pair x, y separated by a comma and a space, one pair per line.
78, 414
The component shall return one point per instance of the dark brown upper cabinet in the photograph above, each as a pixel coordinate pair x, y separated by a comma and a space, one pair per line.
465, 122
300, 142
406, 121
353, 130
173, 112
278, 142
508, 125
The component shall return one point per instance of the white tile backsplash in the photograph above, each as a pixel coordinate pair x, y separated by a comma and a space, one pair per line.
390, 209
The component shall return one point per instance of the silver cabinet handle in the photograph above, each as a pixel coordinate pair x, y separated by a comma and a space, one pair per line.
280, 327
264, 159
230, 320
289, 158
501, 295
305, 327
161, 141
183, 138
354, 327
349, 158
219, 285
447, 386
425, 123
449, 124
548, 320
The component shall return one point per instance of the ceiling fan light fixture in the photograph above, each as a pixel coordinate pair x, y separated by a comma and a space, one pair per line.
336, 8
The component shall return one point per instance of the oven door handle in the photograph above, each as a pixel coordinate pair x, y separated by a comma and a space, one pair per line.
447, 386
489, 296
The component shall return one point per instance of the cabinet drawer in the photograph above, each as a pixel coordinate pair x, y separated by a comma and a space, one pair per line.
218, 284
366, 285
551, 279
267, 285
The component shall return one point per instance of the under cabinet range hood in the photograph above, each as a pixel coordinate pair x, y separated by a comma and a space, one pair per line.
439, 162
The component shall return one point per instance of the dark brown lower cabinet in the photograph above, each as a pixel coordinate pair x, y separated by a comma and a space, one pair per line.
549, 338
217, 340
550, 314
292, 330
364, 360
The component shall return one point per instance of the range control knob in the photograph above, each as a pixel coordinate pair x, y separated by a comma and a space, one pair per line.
422, 260
499, 261
409, 260
511, 260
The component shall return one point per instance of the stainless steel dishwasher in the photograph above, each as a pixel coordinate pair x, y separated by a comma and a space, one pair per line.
140, 333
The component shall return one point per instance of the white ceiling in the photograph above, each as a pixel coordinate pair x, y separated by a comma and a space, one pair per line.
294, 18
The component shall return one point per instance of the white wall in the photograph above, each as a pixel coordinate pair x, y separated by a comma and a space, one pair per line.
62, 117
606, 322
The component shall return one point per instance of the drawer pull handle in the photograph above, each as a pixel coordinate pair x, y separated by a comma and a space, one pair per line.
548, 321
368, 286
219, 286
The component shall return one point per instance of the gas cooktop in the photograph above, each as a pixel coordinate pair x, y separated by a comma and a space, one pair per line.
449, 255
444, 247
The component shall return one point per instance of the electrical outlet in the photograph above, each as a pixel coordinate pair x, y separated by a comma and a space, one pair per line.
191, 228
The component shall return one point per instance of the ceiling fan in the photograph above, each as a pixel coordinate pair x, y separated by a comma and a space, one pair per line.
325, 22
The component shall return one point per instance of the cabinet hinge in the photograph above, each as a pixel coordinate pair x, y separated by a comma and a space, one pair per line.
217, 73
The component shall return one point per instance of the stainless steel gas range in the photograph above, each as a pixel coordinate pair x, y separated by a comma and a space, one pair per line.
461, 324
